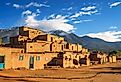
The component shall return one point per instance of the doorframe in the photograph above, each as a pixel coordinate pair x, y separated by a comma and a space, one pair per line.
31, 62
3, 62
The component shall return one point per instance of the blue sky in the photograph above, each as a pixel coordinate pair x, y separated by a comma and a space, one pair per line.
94, 18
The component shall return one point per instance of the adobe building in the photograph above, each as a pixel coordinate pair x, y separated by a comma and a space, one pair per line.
71, 57
31, 48
84, 57
97, 57
112, 59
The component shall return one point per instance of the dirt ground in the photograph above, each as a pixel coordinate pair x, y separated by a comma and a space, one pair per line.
109, 72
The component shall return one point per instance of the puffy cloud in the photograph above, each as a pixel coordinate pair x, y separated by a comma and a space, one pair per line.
27, 12
51, 16
84, 13
115, 4
17, 6
31, 21
38, 11
58, 23
88, 8
110, 36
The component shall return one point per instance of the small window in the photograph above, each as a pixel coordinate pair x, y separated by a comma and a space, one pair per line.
32, 32
22, 51
67, 46
62, 47
30, 46
76, 56
46, 59
21, 58
38, 58
66, 58
72, 47
79, 57
51, 39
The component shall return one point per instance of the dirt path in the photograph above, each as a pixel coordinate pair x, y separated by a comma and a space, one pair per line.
110, 72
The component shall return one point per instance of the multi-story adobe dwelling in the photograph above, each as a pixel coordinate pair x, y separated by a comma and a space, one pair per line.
97, 57
31, 48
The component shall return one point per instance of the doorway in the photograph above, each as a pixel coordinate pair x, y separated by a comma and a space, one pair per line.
31, 62
2, 62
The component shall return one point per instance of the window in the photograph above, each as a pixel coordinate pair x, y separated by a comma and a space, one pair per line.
30, 46
22, 51
32, 32
21, 58
51, 39
67, 46
72, 47
5, 40
46, 59
38, 58
79, 57
21, 37
62, 47
2, 59
76, 56
66, 58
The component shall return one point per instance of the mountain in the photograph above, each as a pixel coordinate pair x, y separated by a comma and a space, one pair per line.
69, 37
88, 42
85, 41
99, 44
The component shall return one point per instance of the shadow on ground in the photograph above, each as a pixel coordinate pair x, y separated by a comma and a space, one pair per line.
111, 70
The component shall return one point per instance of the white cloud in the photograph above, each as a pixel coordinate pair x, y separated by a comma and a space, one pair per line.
84, 13
30, 4
58, 23
81, 21
110, 36
70, 8
31, 21
115, 4
35, 4
64, 9
17, 6
113, 27
87, 20
7, 3
88, 8
76, 22
27, 12
38, 11
51, 16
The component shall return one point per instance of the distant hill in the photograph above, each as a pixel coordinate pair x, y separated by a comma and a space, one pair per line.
88, 42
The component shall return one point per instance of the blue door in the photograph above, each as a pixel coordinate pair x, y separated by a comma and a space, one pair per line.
1, 65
